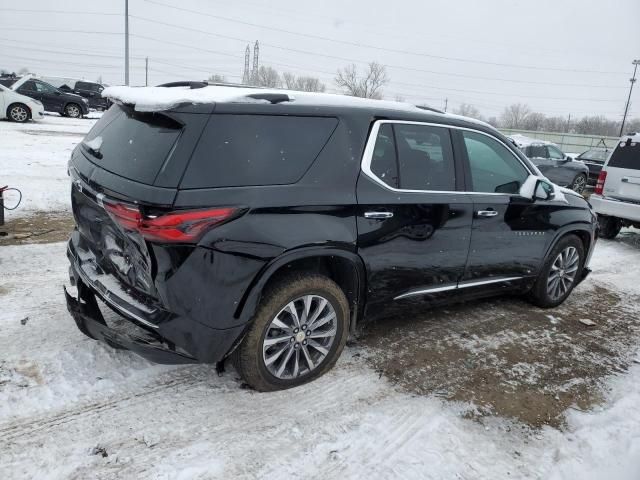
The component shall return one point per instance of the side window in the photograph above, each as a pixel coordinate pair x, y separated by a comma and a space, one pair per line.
245, 150
554, 153
384, 163
425, 157
494, 169
44, 87
536, 151
29, 86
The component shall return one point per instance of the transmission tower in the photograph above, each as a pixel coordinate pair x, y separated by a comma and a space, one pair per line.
246, 76
256, 63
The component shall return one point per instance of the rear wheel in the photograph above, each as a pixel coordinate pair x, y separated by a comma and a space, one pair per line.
609, 226
559, 274
18, 112
579, 183
73, 110
297, 335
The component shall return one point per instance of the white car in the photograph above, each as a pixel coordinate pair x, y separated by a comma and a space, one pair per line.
616, 198
19, 108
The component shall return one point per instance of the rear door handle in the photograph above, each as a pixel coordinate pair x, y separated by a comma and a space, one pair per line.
487, 213
378, 215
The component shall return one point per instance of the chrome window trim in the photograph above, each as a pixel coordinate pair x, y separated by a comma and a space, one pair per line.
365, 164
459, 285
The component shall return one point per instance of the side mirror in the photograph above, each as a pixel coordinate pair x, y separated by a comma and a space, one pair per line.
544, 191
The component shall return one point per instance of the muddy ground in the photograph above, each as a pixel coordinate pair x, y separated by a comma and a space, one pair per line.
37, 228
499, 356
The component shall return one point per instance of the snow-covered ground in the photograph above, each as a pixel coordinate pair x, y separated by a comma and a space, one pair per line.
74, 408
33, 158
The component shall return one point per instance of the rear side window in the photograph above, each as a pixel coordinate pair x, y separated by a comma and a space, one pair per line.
425, 157
384, 163
536, 151
626, 155
132, 144
414, 157
245, 150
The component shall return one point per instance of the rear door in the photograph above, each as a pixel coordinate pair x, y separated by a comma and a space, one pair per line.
623, 171
508, 232
413, 226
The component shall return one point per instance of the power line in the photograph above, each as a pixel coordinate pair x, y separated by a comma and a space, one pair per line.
391, 50
67, 12
433, 72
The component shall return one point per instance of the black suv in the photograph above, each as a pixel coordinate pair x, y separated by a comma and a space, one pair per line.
52, 98
91, 91
267, 228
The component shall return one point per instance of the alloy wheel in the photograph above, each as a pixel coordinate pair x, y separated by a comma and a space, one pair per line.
563, 273
73, 111
299, 337
19, 114
579, 184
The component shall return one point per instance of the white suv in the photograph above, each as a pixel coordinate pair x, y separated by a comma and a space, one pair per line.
616, 198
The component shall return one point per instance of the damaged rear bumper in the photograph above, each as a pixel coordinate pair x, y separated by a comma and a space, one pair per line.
151, 332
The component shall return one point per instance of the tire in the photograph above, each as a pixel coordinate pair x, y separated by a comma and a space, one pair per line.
579, 183
547, 293
18, 112
73, 110
259, 364
609, 226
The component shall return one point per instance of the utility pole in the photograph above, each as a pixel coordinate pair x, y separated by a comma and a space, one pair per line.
626, 108
569, 123
126, 42
146, 71
446, 104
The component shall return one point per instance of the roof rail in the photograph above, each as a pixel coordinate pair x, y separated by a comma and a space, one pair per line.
430, 109
271, 97
191, 85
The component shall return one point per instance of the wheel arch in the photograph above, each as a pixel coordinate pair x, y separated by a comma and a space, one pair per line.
344, 267
581, 231
12, 104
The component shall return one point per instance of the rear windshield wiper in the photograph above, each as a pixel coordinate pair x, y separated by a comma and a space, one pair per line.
93, 146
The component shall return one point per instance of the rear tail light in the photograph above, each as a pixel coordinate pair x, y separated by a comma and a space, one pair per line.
175, 227
600, 183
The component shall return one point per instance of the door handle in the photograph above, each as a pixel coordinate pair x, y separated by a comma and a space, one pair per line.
378, 215
487, 213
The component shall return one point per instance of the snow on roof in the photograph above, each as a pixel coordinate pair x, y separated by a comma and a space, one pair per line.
524, 141
150, 99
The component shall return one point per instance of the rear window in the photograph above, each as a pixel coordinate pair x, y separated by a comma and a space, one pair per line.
626, 155
131, 144
245, 150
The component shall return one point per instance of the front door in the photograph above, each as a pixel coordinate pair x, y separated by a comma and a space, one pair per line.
50, 96
510, 233
413, 227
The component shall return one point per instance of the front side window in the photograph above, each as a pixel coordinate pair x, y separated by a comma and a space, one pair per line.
44, 87
29, 86
554, 153
494, 169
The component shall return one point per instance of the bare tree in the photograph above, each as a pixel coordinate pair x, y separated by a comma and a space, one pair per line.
513, 116
534, 121
399, 98
597, 125
268, 77
468, 110
368, 85
216, 78
303, 83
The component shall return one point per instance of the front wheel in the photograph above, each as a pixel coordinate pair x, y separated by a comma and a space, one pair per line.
579, 183
297, 334
559, 274
72, 110
18, 113
609, 226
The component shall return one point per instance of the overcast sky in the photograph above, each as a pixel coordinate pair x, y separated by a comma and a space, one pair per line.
559, 56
